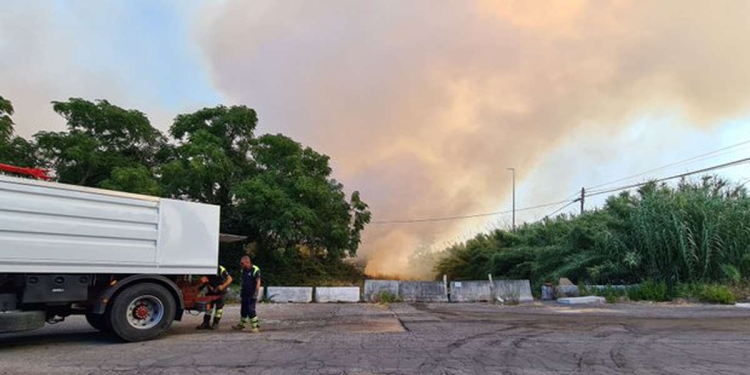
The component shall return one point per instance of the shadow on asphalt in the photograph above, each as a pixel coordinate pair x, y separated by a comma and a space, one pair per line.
16, 341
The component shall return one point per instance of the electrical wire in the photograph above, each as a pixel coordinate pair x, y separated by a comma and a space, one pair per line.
568, 201
560, 209
692, 159
681, 175
449, 218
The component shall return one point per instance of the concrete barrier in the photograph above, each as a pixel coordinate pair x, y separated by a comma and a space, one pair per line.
562, 291
470, 291
373, 287
337, 294
548, 292
590, 300
514, 289
422, 291
284, 294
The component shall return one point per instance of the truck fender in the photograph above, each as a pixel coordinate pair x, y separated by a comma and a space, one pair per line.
100, 304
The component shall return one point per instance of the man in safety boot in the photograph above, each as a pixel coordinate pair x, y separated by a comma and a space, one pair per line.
217, 286
250, 291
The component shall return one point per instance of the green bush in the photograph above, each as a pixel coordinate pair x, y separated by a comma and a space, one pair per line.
715, 294
650, 291
611, 294
386, 297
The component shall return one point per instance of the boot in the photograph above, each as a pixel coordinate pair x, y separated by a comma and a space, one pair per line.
255, 323
215, 326
242, 325
206, 322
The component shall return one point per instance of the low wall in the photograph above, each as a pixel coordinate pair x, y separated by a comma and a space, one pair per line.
373, 287
422, 291
284, 294
512, 289
337, 294
470, 291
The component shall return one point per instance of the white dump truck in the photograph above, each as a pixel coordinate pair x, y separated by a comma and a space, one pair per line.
124, 261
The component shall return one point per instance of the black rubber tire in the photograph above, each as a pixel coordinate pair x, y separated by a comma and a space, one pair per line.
99, 321
17, 321
118, 315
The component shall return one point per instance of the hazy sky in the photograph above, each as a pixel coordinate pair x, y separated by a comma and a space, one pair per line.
421, 104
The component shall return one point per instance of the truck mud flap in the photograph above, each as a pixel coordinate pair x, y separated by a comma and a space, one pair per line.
16, 321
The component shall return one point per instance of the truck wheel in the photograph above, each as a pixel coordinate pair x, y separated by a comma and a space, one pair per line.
142, 312
98, 321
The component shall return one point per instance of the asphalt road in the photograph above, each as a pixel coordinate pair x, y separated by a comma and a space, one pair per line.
409, 339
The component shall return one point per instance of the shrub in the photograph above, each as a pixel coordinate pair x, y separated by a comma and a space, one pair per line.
386, 297
715, 294
650, 291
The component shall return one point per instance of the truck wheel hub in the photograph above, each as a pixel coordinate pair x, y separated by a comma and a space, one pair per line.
142, 312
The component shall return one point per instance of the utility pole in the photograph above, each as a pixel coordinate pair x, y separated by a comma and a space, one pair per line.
583, 198
513, 227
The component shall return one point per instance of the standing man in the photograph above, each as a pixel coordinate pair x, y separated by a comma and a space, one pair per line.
250, 290
217, 286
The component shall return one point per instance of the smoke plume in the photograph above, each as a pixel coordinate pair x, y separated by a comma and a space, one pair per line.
423, 104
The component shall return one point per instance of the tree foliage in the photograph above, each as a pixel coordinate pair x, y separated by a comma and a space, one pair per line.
102, 138
271, 189
14, 150
6, 122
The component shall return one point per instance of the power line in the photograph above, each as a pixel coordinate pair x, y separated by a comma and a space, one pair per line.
448, 218
560, 209
694, 158
681, 175
568, 201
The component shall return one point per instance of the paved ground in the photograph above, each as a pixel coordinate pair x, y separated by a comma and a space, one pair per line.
410, 339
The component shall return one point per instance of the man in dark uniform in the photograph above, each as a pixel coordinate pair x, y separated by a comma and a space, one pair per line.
250, 291
217, 286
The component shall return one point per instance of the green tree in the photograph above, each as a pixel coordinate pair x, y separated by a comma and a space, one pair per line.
211, 156
270, 188
292, 201
6, 123
14, 150
102, 139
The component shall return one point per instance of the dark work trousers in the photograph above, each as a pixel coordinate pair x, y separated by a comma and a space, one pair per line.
247, 310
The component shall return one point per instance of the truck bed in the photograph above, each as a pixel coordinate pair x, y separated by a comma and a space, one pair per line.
56, 228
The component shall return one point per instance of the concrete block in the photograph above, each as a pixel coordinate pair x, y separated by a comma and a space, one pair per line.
470, 291
337, 294
373, 287
284, 294
563, 291
422, 291
514, 289
548, 292
590, 300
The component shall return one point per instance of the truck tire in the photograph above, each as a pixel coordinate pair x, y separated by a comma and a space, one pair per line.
16, 321
142, 312
99, 321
